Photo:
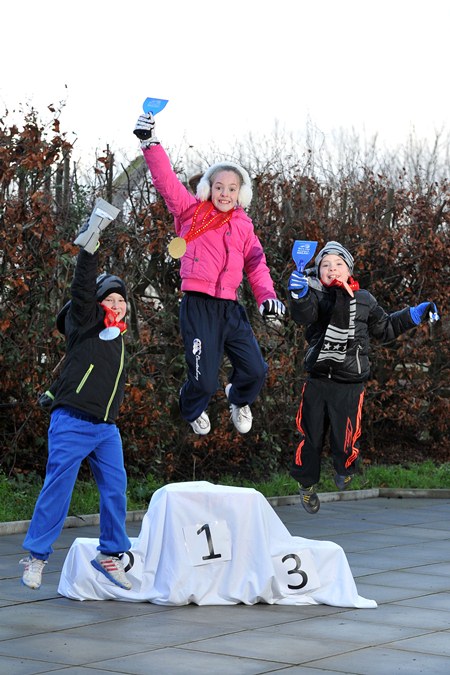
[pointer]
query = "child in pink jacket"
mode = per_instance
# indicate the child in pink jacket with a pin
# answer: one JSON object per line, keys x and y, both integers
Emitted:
{"x": 217, "y": 244}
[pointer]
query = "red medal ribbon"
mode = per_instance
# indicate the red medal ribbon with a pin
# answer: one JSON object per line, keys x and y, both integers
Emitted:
{"x": 206, "y": 223}
{"x": 351, "y": 283}
{"x": 111, "y": 319}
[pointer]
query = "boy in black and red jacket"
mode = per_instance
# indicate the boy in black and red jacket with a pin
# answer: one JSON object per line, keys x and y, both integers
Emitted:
{"x": 340, "y": 320}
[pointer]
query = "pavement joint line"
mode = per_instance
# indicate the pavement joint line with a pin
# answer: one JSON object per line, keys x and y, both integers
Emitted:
{"x": 19, "y": 526}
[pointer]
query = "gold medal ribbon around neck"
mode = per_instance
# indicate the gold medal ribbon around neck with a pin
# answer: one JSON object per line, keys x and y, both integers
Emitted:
{"x": 178, "y": 245}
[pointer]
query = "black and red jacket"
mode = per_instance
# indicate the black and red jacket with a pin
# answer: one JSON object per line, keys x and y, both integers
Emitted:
{"x": 314, "y": 311}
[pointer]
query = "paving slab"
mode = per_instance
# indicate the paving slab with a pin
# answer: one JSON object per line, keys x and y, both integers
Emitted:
{"x": 399, "y": 553}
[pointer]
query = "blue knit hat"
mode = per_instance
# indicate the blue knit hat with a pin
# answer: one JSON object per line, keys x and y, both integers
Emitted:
{"x": 334, "y": 248}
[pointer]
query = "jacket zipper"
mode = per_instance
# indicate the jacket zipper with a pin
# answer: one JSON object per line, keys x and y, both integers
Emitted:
{"x": 358, "y": 362}
{"x": 85, "y": 377}
{"x": 116, "y": 384}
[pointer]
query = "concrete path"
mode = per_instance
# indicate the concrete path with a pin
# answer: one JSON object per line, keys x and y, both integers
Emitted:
{"x": 399, "y": 553}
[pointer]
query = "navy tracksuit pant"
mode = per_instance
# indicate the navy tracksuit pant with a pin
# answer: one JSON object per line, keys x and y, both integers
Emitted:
{"x": 326, "y": 403}
{"x": 211, "y": 327}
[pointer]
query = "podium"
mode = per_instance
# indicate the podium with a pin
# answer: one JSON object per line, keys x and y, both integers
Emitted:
{"x": 216, "y": 545}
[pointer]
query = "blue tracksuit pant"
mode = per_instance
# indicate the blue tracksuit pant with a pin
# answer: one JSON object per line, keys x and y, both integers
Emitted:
{"x": 211, "y": 327}
{"x": 70, "y": 440}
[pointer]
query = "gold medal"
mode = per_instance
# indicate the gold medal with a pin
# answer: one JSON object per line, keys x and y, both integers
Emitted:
{"x": 177, "y": 247}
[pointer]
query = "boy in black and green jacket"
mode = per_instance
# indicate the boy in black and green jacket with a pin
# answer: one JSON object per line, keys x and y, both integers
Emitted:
{"x": 85, "y": 403}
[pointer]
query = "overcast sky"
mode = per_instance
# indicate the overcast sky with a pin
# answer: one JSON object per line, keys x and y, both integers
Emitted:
{"x": 229, "y": 68}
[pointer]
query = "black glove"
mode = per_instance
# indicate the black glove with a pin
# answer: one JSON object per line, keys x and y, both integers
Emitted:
{"x": 145, "y": 130}
{"x": 272, "y": 307}
{"x": 45, "y": 400}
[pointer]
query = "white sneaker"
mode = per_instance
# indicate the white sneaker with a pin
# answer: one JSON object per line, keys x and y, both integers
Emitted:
{"x": 112, "y": 567}
{"x": 32, "y": 575}
{"x": 201, "y": 425}
{"x": 242, "y": 417}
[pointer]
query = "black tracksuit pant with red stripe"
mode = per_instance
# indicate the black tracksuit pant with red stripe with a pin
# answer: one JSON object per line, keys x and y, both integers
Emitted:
{"x": 337, "y": 405}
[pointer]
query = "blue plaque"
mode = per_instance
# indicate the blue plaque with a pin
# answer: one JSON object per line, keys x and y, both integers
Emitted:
{"x": 302, "y": 252}
{"x": 154, "y": 105}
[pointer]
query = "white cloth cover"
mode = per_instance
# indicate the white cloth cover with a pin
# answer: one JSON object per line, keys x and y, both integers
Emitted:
{"x": 216, "y": 545}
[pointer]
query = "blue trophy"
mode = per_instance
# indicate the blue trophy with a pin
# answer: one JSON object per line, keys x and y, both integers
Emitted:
{"x": 153, "y": 106}
{"x": 302, "y": 252}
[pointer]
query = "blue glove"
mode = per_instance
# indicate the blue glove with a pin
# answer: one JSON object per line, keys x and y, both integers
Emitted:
{"x": 298, "y": 284}
{"x": 419, "y": 312}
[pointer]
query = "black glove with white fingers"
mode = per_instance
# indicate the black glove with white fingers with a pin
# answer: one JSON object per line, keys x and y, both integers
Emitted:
{"x": 145, "y": 130}
{"x": 272, "y": 308}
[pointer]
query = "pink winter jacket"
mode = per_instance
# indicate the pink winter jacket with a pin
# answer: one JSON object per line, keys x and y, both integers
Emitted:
{"x": 214, "y": 262}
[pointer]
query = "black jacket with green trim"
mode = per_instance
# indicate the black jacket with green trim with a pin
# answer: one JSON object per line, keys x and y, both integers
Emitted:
{"x": 92, "y": 379}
